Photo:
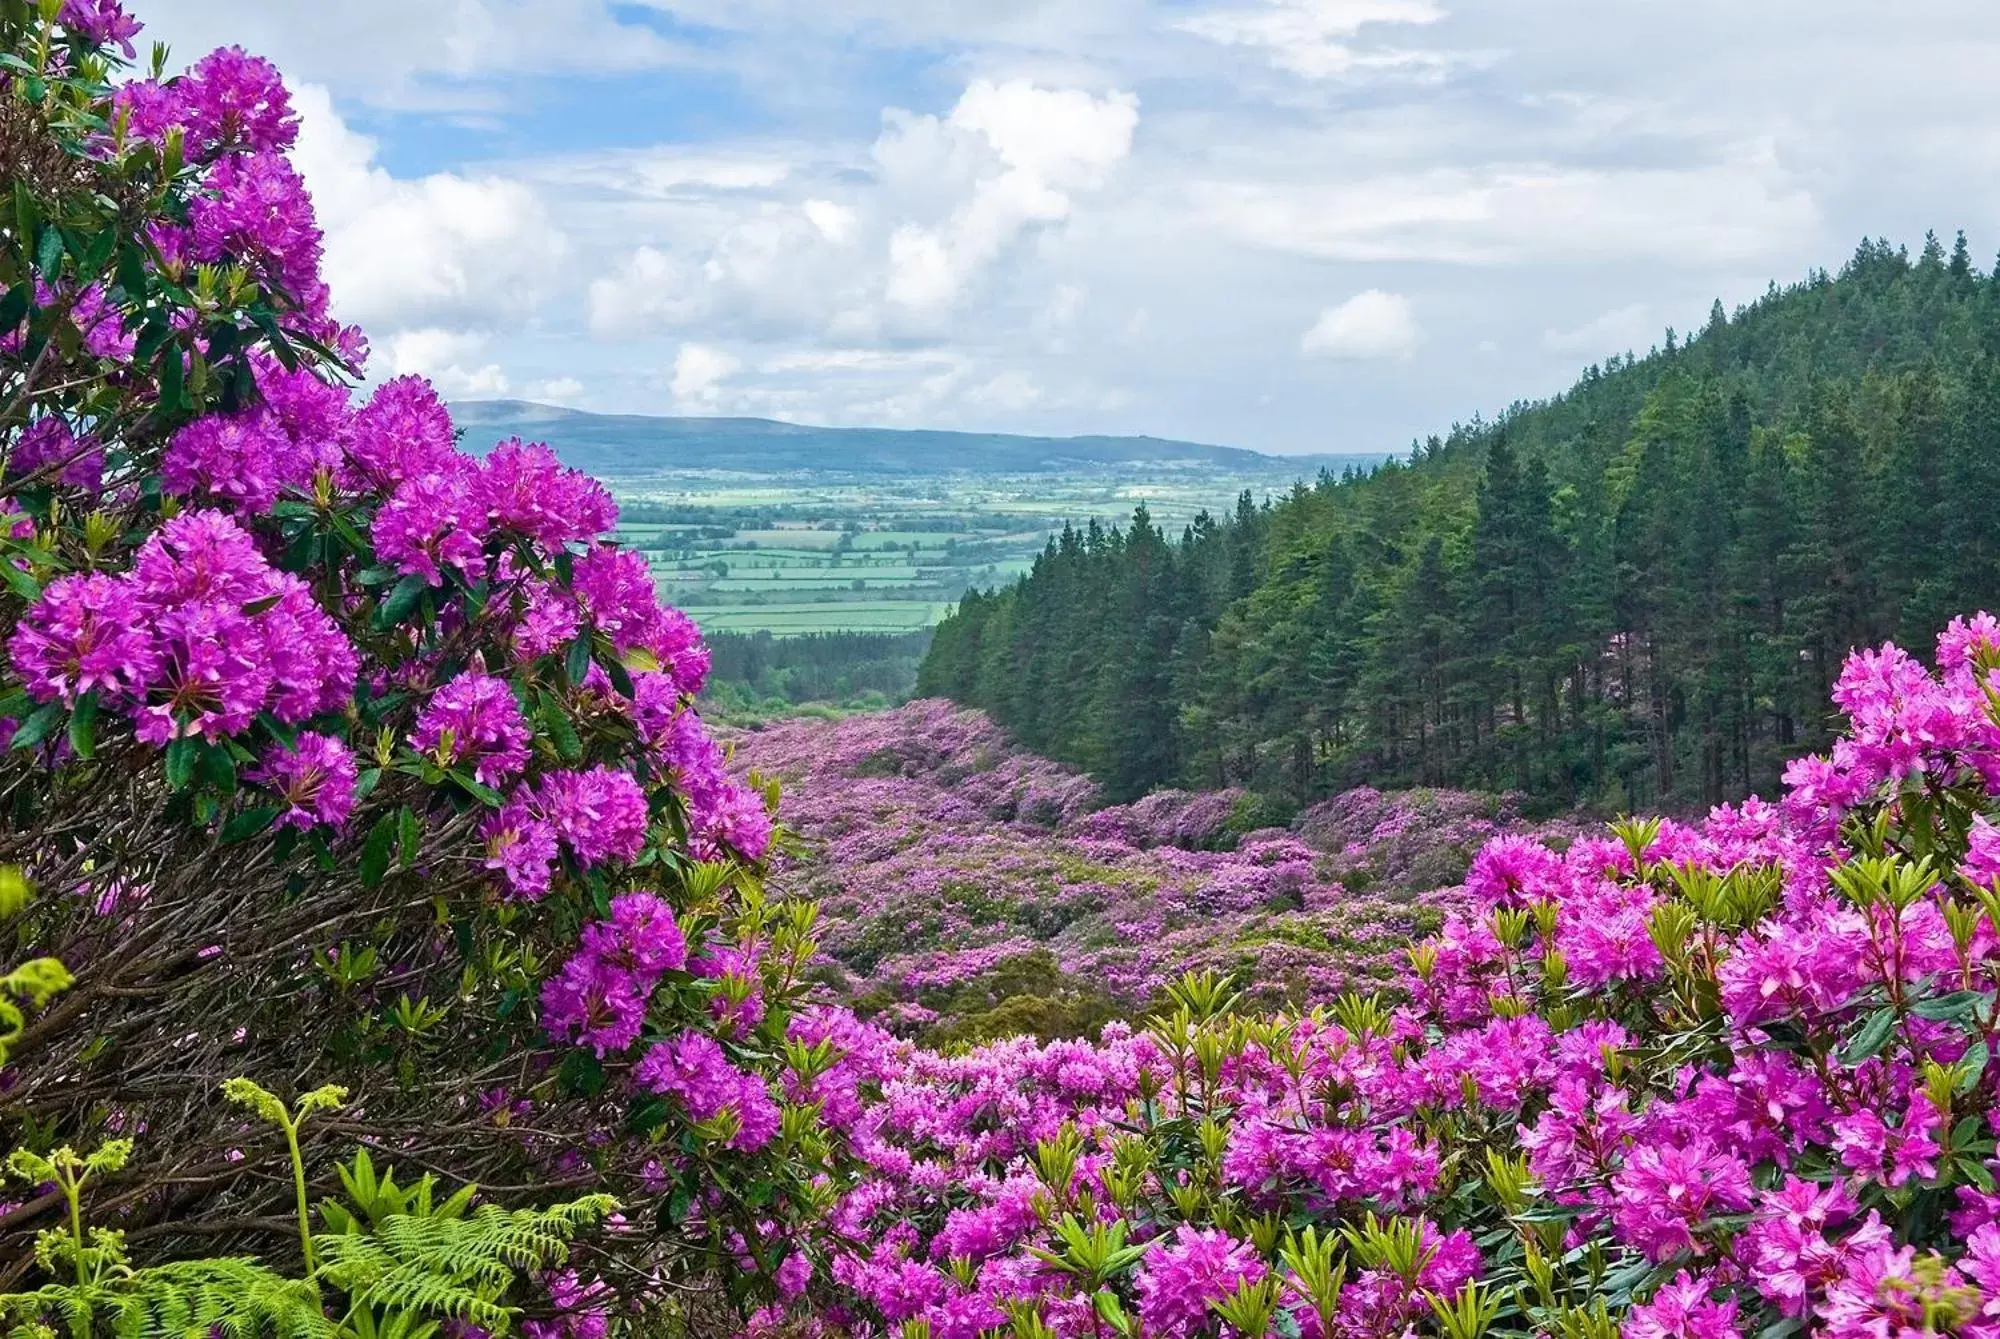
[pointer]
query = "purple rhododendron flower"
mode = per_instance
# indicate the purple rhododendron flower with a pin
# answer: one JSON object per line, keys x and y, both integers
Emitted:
{"x": 315, "y": 776}
{"x": 231, "y": 100}
{"x": 476, "y": 721}
{"x": 101, "y": 22}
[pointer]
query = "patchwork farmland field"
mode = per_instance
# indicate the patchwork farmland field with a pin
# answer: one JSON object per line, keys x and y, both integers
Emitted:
{"x": 804, "y": 554}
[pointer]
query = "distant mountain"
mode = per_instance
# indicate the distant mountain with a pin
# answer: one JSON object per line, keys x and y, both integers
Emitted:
{"x": 623, "y": 445}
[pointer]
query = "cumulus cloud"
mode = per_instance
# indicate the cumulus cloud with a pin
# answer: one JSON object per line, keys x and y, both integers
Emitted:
{"x": 453, "y": 359}
{"x": 442, "y": 251}
{"x": 1368, "y": 325}
{"x": 1024, "y": 151}
{"x": 459, "y": 363}
{"x": 945, "y": 200}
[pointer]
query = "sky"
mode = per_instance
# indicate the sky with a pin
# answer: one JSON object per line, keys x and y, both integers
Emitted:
{"x": 1292, "y": 225}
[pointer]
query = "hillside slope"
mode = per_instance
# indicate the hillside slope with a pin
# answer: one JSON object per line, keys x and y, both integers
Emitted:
{"x": 1637, "y": 593}
{"x": 972, "y": 889}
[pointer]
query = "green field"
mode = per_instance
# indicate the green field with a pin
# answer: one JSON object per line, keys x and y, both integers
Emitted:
{"x": 843, "y": 554}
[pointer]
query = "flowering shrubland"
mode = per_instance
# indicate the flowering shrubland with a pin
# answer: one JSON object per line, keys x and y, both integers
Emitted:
{"x": 333, "y": 753}
{"x": 1721, "y": 1079}
{"x": 962, "y": 878}
{"x": 343, "y": 761}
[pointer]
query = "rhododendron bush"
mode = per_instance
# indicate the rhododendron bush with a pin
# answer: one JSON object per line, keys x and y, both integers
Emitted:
{"x": 1720, "y": 1079}
{"x": 334, "y": 753}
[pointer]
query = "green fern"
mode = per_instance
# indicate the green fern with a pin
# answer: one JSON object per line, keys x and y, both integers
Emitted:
{"x": 193, "y": 1298}
{"x": 372, "y": 1198}
{"x": 405, "y": 1263}
{"x": 452, "y": 1268}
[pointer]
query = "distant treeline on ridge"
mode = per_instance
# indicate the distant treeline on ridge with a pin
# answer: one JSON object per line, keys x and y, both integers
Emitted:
{"x": 1637, "y": 593}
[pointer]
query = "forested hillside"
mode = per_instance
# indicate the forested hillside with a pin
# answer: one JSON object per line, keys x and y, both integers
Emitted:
{"x": 1637, "y": 593}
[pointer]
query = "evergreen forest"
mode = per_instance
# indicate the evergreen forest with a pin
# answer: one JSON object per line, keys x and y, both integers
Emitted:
{"x": 1638, "y": 593}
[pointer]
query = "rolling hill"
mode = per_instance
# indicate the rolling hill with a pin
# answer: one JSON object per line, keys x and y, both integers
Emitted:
{"x": 624, "y": 445}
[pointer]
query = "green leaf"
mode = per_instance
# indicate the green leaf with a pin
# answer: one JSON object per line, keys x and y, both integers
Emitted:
{"x": 556, "y": 724}
{"x": 249, "y": 823}
{"x": 409, "y": 836}
{"x": 621, "y": 679}
{"x": 1955, "y": 1005}
{"x": 132, "y": 272}
{"x": 21, "y": 583}
{"x": 400, "y": 601}
{"x": 182, "y": 755}
{"x": 83, "y": 727}
{"x": 38, "y": 727}
{"x": 1974, "y": 1065}
{"x": 14, "y": 307}
{"x": 27, "y": 214}
{"x": 375, "y": 851}
{"x": 218, "y": 768}
{"x": 173, "y": 376}
{"x": 1874, "y": 1035}
{"x": 98, "y": 254}
{"x": 479, "y": 790}
{"x": 577, "y": 664}
{"x": 582, "y": 1074}
{"x": 49, "y": 253}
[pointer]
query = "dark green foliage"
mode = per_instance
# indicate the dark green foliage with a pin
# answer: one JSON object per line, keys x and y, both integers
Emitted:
{"x": 1637, "y": 594}
{"x": 755, "y": 673}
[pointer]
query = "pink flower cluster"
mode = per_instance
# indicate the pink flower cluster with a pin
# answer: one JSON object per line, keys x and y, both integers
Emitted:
{"x": 597, "y": 816}
{"x": 599, "y": 997}
{"x": 694, "y": 1069}
{"x": 314, "y": 775}
{"x": 197, "y": 639}
{"x": 474, "y": 721}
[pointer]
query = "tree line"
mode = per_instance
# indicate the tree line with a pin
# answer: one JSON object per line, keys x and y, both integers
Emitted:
{"x": 1637, "y": 593}
{"x": 752, "y": 672}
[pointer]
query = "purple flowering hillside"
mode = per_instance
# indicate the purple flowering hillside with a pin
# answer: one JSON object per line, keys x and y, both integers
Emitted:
{"x": 393, "y": 955}
{"x": 945, "y": 860}
{"x": 1709, "y": 1080}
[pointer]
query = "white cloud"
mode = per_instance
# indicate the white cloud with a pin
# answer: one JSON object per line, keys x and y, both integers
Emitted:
{"x": 699, "y": 372}
{"x": 664, "y": 173}
{"x": 1046, "y": 144}
{"x": 1312, "y": 37}
{"x": 1747, "y": 207}
{"x": 945, "y": 200}
{"x": 441, "y": 250}
{"x": 1315, "y": 36}
{"x": 1368, "y": 325}
{"x": 396, "y": 53}
{"x": 453, "y": 359}
{"x": 836, "y": 222}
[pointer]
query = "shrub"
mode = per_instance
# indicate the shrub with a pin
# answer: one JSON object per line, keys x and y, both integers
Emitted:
{"x": 339, "y": 755}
